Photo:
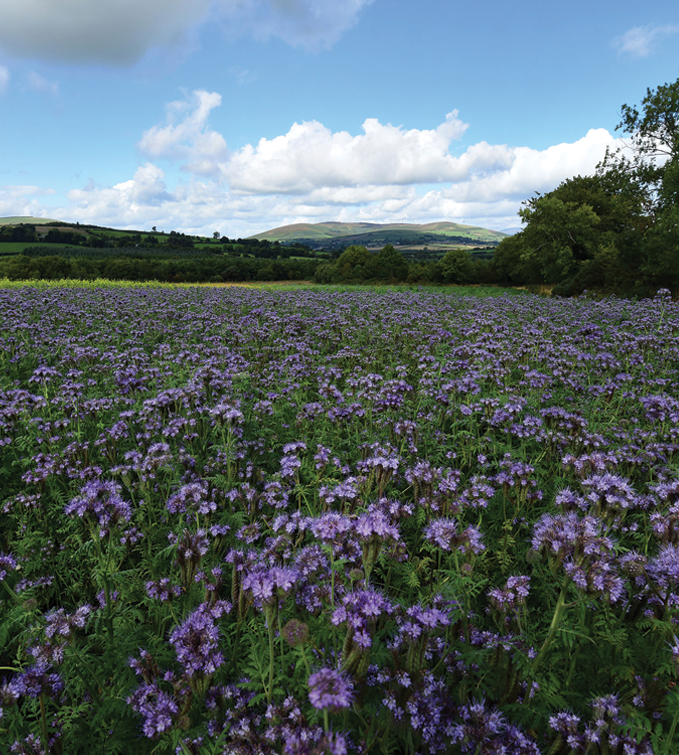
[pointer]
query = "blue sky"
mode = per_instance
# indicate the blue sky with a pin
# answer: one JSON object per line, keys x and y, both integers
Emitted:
{"x": 243, "y": 115}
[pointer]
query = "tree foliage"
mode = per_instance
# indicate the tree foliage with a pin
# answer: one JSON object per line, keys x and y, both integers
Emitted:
{"x": 617, "y": 230}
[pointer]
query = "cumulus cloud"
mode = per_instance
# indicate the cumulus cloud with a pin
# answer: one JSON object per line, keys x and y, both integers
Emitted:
{"x": 121, "y": 32}
{"x": 640, "y": 41}
{"x": 146, "y": 189}
{"x": 186, "y": 138}
{"x": 23, "y": 200}
{"x": 383, "y": 174}
{"x": 4, "y": 79}
{"x": 310, "y": 155}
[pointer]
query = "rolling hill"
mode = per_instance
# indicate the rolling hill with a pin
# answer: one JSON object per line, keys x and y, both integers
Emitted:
{"x": 18, "y": 219}
{"x": 406, "y": 235}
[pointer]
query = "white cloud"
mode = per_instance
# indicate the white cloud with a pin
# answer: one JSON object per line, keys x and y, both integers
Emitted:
{"x": 312, "y": 24}
{"x": 4, "y": 79}
{"x": 640, "y": 41}
{"x": 384, "y": 174}
{"x": 186, "y": 138}
{"x": 146, "y": 190}
{"x": 311, "y": 156}
{"x": 121, "y": 32}
{"x": 39, "y": 83}
{"x": 22, "y": 200}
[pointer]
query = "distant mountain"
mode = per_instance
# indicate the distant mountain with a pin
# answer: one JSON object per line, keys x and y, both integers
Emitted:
{"x": 512, "y": 231}
{"x": 334, "y": 234}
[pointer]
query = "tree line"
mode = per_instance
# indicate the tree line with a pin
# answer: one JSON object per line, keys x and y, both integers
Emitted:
{"x": 86, "y": 242}
{"x": 184, "y": 269}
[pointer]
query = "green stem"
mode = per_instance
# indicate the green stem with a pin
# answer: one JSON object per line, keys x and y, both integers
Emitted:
{"x": 673, "y": 728}
{"x": 465, "y": 614}
{"x": 554, "y": 626}
{"x": 109, "y": 611}
{"x": 571, "y": 670}
{"x": 306, "y": 662}
{"x": 269, "y": 623}
{"x": 104, "y": 566}
{"x": 282, "y": 641}
{"x": 236, "y": 642}
{"x": 332, "y": 576}
{"x": 13, "y": 595}
{"x": 43, "y": 721}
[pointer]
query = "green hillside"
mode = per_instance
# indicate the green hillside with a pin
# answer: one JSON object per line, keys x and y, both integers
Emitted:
{"x": 407, "y": 235}
{"x": 19, "y": 219}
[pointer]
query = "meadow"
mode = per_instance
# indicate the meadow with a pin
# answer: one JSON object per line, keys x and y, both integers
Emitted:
{"x": 321, "y": 520}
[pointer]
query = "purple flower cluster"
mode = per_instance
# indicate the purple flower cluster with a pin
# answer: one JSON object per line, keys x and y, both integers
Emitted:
{"x": 100, "y": 501}
{"x": 445, "y": 534}
{"x": 196, "y": 640}
{"x": 268, "y": 585}
{"x": 608, "y": 730}
{"x": 191, "y": 547}
{"x": 512, "y": 596}
{"x": 60, "y": 624}
{"x": 485, "y": 730}
{"x": 577, "y": 545}
{"x": 162, "y": 589}
{"x": 330, "y": 689}
{"x": 158, "y": 709}
{"x": 7, "y": 562}
{"x": 361, "y": 610}
{"x": 191, "y": 497}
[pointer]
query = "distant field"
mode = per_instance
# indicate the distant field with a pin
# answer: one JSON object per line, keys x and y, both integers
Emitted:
{"x": 478, "y": 291}
{"x": 17, "y": 247}
{"x": 17, "y": 219}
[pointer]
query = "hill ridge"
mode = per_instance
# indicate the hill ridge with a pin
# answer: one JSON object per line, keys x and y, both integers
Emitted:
{"x": 335, "y": 232}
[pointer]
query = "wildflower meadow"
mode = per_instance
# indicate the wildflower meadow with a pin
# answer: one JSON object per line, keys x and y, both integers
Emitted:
{"x": 240, "y": 521}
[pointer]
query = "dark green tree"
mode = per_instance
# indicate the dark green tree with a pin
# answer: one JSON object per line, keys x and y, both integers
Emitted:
{"x": 391, "y": 265}
{"x": 616, "y": 230}
{"x": 457, "y": 267}
{"x": 353, "y": 263}
{"x": 650, "y": 159}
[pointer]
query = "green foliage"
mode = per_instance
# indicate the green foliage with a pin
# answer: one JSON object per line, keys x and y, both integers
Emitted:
{"x": 391, "y": 264}
{"x": 180, "y": 269}
{"x": 457, "y": 267}
{"x": 614, "y": 231}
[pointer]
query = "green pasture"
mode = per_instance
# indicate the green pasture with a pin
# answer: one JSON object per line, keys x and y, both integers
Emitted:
{"x": 17, "y": 247}
{"x": 476, "y": 291}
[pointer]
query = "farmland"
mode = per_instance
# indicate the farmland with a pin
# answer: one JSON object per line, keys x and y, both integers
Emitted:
{"x": 337, "y": 520}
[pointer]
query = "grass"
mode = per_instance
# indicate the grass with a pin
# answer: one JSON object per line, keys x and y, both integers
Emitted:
{"x": 8, "y": 248}
{"x": 477, "y": 291}
{"x": 19, "y": 219}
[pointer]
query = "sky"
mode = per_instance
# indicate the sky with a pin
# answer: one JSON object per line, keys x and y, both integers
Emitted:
{"x": 239, "y": 116}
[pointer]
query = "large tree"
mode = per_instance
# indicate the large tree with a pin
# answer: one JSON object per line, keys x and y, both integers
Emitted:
{"x": 615, "y": 230}
{"x": 391, "y": 264}
{"x": 650, "y": 157}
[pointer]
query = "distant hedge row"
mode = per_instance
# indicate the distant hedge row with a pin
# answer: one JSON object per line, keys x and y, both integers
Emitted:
{"x": 175, "y": 270}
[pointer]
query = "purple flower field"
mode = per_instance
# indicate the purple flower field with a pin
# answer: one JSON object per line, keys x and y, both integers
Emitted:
{"x": 237, "y": 521}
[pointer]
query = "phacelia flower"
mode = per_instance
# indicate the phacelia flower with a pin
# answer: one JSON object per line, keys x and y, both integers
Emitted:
{"x": 330, "y": 689}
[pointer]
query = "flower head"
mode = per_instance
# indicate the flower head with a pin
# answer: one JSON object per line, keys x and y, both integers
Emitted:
{"x": 330, "y": 689}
